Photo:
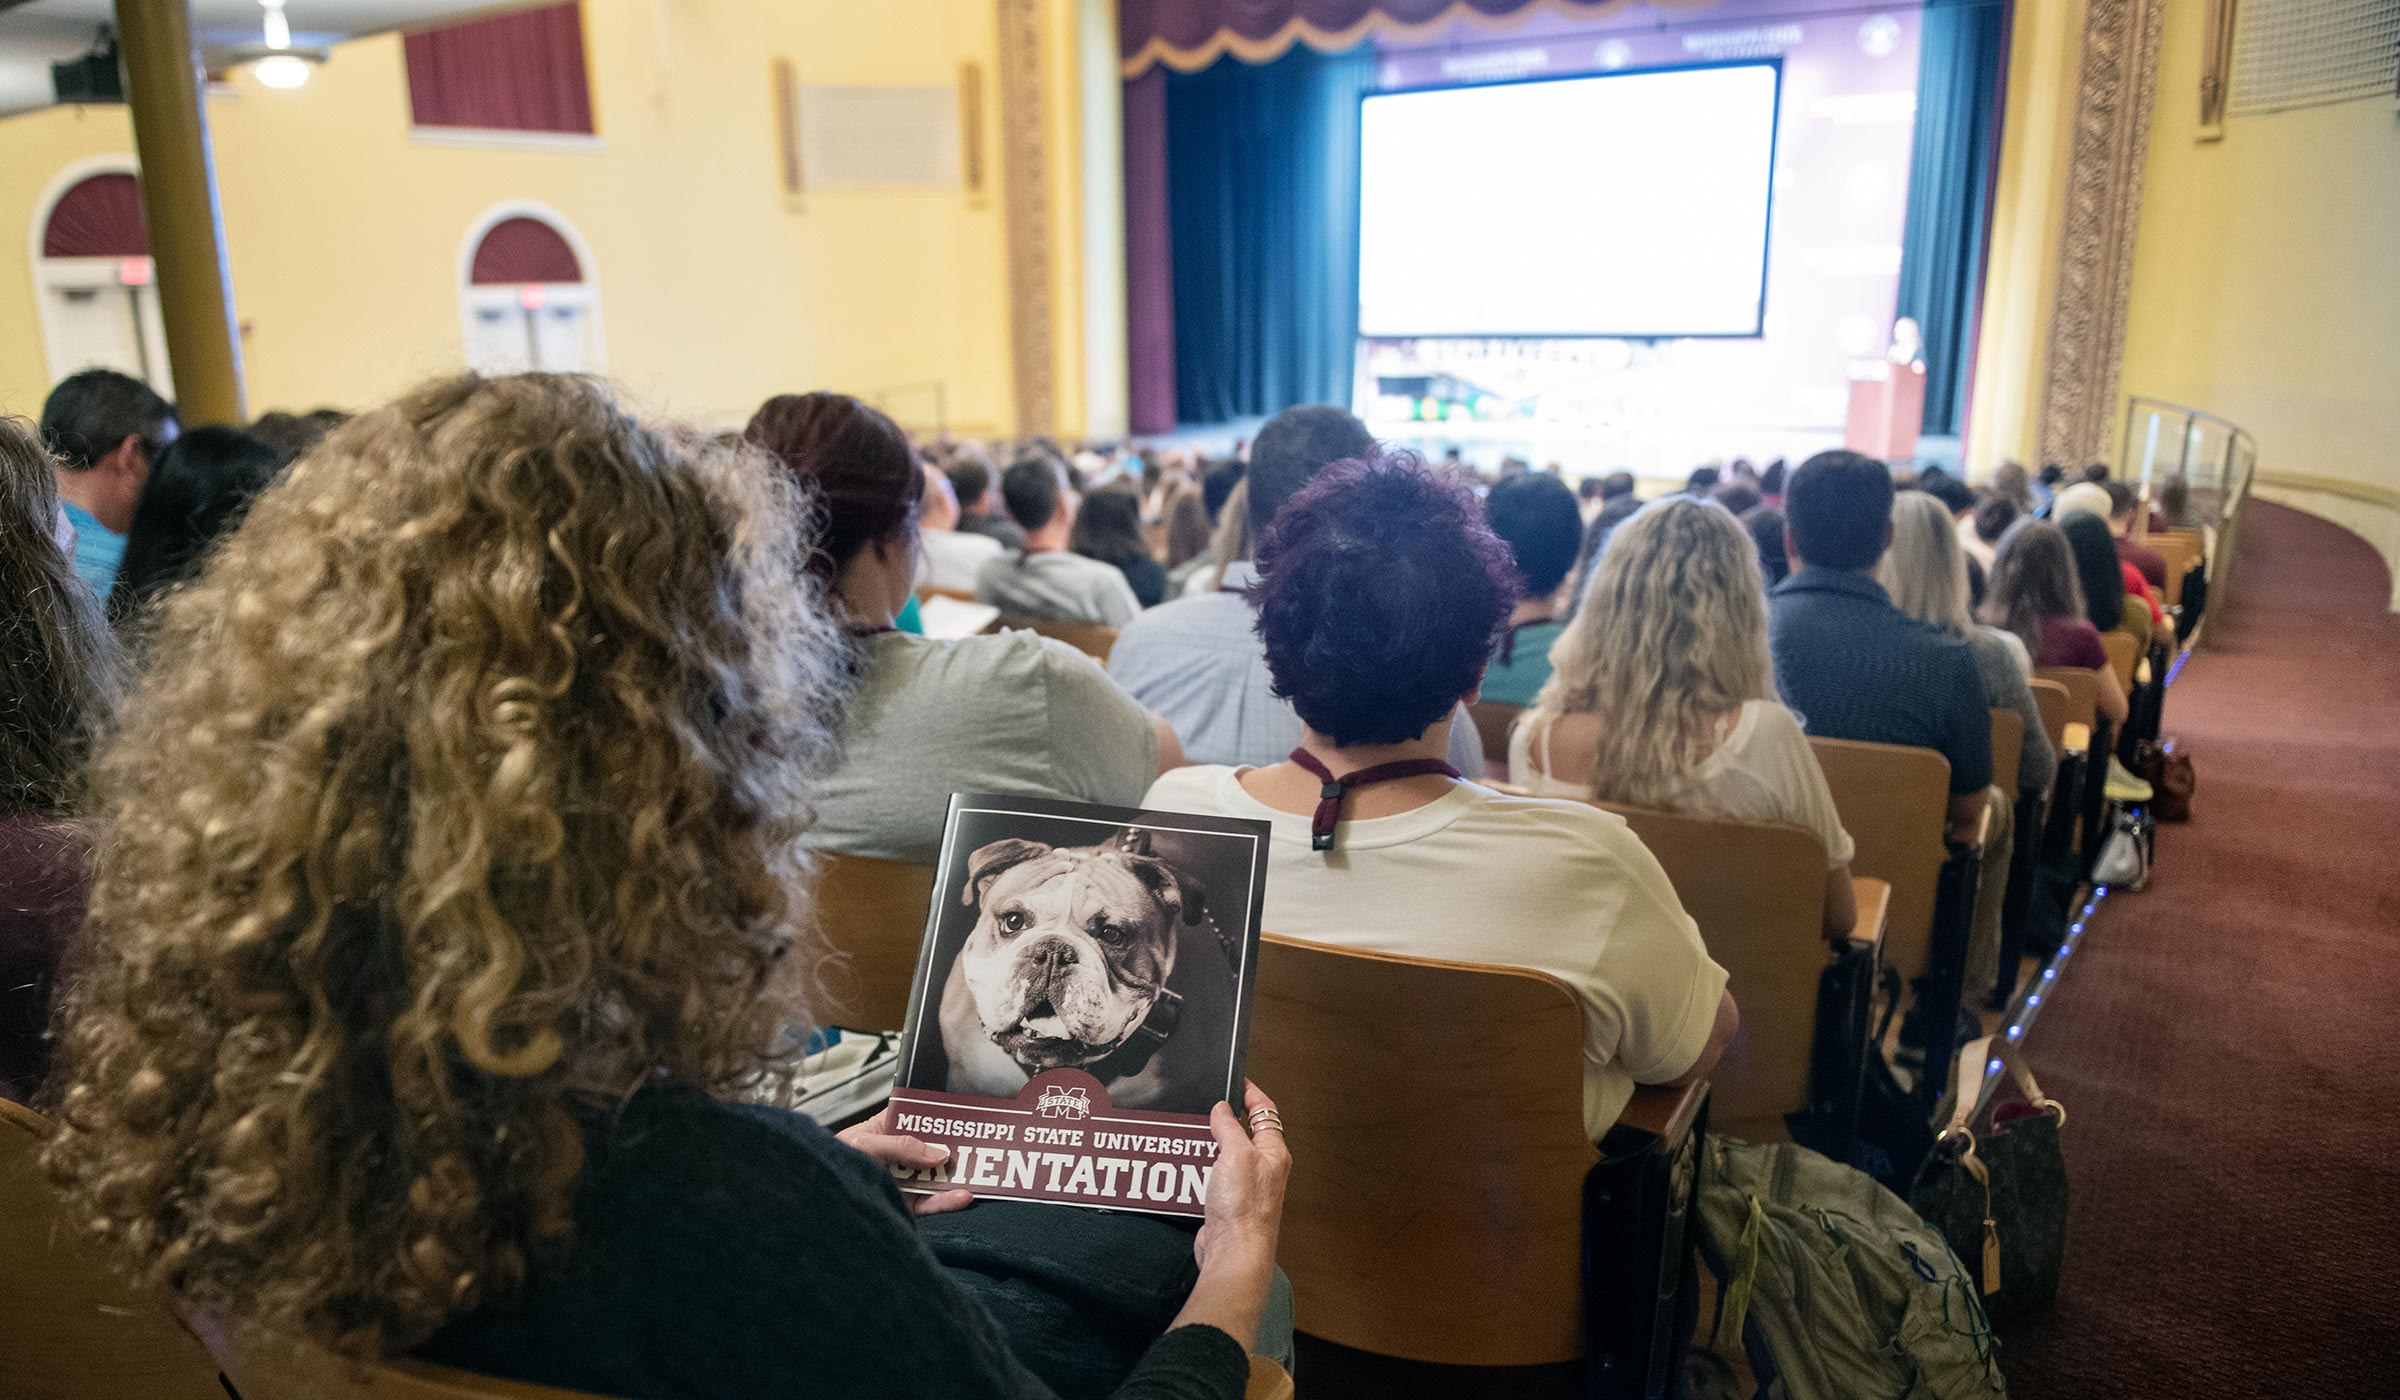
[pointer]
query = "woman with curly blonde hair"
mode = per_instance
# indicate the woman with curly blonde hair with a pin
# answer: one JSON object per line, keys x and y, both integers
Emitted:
{"x": 448, "y": 899}
{"x": 1662, "y": 694}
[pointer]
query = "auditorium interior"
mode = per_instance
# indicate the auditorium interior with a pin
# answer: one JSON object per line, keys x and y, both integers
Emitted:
{"x": 652, "y": 646}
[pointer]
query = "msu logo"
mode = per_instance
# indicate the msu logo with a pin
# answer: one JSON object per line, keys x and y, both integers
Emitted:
{"x": 1057, "y": 1102}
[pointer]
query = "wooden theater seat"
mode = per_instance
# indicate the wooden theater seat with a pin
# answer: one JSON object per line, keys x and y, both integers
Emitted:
{"x": 2082, "y": 689}
{"x": 2124, "y": 654}
{"x": 262, "y": 1366}
{"x": 2008, "y": 751}
{"x": 1437, "y": 1207}
{"x": 265, "y": 1367}
{"x": 1895, "y": 803}
{"x": 1757, "y": 891}
{"x": 2050, "y": 698}
{"x": 69, "y": 1329}
{"x": 871, "y": 916}
{"x": 1493, "y": 719}
{"x": 2181, "y": 557}
{"x": 1090, "y": 638}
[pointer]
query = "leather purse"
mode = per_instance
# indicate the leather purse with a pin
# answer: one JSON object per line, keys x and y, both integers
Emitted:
{"x": 2168, "y": 771}
{"x": 2000, "y": 1196}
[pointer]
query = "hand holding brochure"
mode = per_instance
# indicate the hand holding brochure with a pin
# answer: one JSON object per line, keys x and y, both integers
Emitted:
{"x": 1082, "y": 1000}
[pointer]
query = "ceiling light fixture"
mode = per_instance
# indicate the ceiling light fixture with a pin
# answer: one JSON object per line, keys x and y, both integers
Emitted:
{"x": 277, "y": 64}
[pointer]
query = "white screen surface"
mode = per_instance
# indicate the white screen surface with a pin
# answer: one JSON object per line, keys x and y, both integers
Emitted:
{"x": 1630, "y": 205}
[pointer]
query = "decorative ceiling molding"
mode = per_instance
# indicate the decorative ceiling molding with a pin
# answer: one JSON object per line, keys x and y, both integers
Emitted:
{"x": 2103, "y": 213}
{"x": 1027, "y": 209}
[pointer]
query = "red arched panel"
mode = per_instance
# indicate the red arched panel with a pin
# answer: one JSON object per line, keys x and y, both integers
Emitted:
{"x": 98, "y": 217}
{"x": 523, "y": 250}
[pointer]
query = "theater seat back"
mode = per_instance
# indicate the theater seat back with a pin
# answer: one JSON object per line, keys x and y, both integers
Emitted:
{"x": 871, "y": 920}
{"x": 2008, "y": 751}
{"x": 1895, "y": 803}
{"x": 1757, "y": 891}
{"x": 1090, "y": 638}
{"x": 2050, "y": 698}
{"x": 265, "y": 1367}
{"x": 1435, "y": 1112}
{"x": 2082, "y": 689}
{"x": 1493, "y": 719}
{"x": 2124, "y": 654}
{"x": 69, "y": 1329}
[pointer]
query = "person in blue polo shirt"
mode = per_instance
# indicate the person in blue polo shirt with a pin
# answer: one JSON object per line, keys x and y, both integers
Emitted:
{"x": 1854, "y": 666}
{"x": 103, "y": 430}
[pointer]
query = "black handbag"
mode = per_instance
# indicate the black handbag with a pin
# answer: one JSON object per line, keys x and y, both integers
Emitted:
{"x": 2000, "y": 1196}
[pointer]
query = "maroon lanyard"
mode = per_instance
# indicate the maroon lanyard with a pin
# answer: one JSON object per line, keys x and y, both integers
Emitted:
{"x": 1329, "y": 801}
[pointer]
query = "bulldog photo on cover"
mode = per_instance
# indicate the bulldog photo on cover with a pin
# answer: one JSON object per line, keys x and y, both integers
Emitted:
{"x": 1111, "y": 947}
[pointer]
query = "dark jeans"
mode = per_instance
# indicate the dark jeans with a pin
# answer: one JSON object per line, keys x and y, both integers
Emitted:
{"x": 1081, "y": 1294}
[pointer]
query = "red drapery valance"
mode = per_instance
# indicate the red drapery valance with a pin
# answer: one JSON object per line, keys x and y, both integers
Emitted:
{"x": 1188, "y": 35}
{"x": 523, "y": 250}
{"x": 98, "y": 217}
{"x": 520, "y": 71}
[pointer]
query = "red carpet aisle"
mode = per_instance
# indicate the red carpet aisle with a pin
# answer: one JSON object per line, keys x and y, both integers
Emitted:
{"x": 2228, "y": 1043}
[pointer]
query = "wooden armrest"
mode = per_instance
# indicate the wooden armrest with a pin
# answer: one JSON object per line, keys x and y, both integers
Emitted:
{"x": 1874, "y": 909}
{"x": 1664, "y": 1113}
{"x": 2078, "y": 739}
{"x": 2141, "y": 671}
{"x": 1268, "y": 1381}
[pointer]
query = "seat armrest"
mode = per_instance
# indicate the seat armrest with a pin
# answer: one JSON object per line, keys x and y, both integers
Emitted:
{"x": 1664, "y": 1113}
{"x": 2078, "y": 739}
{"x": 1268, "y": 1381}
{"x": 1874, "y": 898}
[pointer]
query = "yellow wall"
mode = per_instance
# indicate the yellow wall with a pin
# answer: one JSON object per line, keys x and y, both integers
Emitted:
{"x": 2267, "y": 276}
{"x": 344, "y": 230}
{"x": 2028, "y": 204}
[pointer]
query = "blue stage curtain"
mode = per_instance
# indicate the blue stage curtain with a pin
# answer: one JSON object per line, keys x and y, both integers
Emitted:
{"x": 1961, "y": 78}
{"x": 1262, "y": 189}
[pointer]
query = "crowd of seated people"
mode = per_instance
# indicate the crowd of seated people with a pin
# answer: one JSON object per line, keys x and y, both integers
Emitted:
{"x": 457, "y": 825}
{"x": 1424, "y": 862}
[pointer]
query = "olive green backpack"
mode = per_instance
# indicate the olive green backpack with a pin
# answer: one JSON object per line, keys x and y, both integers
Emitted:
{"x": 1832, "y": 1286}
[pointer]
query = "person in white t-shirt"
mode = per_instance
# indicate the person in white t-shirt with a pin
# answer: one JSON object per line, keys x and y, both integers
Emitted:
{"x": 952, "y": 557}
{"x": 1381, "y": 593}
{"x": 1662, "y": 693}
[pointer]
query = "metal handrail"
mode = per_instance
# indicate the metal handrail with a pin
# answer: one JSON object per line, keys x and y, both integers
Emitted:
{"x": 2189, "y": 412}
{"x": 2235, "y": 466}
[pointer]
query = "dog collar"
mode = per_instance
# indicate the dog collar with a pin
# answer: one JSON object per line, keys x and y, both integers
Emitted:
{"x": 1329, "y": 799}
{"x": 1129, "y": 1058}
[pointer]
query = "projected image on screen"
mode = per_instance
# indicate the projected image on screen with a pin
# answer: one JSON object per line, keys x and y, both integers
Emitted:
{"x": 1631, "y": 205}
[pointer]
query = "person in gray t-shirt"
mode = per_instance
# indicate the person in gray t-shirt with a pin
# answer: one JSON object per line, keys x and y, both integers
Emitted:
{"x": 1013, "y": 713}
{"x": 1047, "y": 580}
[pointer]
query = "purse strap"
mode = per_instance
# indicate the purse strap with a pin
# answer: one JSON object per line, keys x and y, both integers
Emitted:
{"x": 1966, "y": 1090}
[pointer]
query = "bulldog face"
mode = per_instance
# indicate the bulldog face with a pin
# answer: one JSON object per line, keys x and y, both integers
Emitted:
{"x": 1071, "y": 946}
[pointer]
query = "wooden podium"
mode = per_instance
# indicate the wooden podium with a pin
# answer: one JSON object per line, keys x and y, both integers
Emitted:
{"x": 1887, "y": 409}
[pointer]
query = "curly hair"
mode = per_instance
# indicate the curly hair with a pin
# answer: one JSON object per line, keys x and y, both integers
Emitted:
{"x": 1671, "y": 638}
{"x": 58, "y": 660}
{"x": 1381, "y": 594}
{"x": 463, "y": 797}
